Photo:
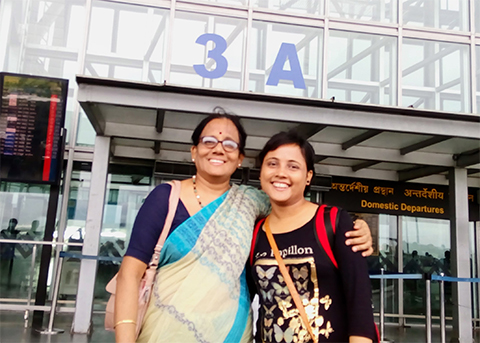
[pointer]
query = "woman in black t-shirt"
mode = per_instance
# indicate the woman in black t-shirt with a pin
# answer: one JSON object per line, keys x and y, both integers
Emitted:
{"x": 337, "y": 300}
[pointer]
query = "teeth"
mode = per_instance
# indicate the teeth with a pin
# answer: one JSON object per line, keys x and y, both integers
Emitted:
{"x": 216, "y": 161}
{"x": 280, "y": 185}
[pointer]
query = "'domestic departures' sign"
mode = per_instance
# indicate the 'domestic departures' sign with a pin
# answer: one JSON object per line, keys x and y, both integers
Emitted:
{"x": 408, "y": 199}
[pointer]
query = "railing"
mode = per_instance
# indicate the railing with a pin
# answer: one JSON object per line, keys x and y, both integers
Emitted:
{"x": 58, "y": 263}
{"x": 29, "y": 307}
{"x": 428, "y": 313}
{"x": 60, "y": 255}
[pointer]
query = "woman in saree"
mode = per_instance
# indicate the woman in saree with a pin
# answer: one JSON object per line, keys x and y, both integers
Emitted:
{"x": 200, "y": 293}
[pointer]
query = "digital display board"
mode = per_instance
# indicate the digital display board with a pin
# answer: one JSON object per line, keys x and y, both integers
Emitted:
{"x": 32, "y": 115}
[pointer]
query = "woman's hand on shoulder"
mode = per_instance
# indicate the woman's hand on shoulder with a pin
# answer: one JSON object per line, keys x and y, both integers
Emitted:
{"x": 360, "y": 238}
{"x": 359, "y": 339}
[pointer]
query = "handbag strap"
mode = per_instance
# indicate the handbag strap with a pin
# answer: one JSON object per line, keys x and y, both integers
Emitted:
{"x": 288, "y": 280}
{"x": 172, "y": 208}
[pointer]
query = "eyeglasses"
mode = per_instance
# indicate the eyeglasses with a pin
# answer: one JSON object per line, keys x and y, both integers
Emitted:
{"x": 211, "y": 142}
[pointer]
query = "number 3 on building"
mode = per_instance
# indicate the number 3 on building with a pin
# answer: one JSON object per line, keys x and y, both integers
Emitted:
{"x": 215, "y": 54}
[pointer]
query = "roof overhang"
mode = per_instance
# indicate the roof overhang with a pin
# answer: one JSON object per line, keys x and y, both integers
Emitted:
{"x": 151, "y": 121}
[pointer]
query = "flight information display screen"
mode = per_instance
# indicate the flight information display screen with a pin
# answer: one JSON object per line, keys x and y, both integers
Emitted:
{"x": 32, "y": 115}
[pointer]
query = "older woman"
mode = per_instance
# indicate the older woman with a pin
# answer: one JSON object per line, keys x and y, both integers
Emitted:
{"x": 200, "y": 294}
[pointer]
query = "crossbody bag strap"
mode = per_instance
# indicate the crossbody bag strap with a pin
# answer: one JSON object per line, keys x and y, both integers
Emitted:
{"x": 288, "y": 280}
{"x": 172, "y": 208}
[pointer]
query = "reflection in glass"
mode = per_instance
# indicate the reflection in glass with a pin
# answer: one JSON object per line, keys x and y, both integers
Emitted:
{"x": 436, "y": 75}
{"x": 426, "y": 249}
{"x": 126, "y": 42}
{"x": 445, "y": 14}
{"x": 266, "y": 42}
{"x": 22, "y": 217}
{"x": 370, "y": 10}
{"x": 385, "y": 243}
{"x": 362, "y": 68}
{"x": 314, "y": 7}
{"x": 85, "y": 132}
{"x": 125, "y": 196}
{"x": 186, "y": 52}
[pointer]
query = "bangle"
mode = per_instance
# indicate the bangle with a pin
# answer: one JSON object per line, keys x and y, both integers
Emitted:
{"x": 125, "y": 321}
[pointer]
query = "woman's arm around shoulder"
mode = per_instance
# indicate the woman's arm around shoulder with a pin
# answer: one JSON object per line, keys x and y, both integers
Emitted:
{"x": 260, "y": 199}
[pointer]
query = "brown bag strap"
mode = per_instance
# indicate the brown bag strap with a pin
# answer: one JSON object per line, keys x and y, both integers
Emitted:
{"x": 172, "y": 208}
{"x": 288, "y": 280}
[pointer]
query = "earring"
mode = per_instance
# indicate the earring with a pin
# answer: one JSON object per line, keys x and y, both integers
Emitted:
{"x": 193, "y": 160}
{"x": 239, "y": 165}
{"x": 308, "y": 182}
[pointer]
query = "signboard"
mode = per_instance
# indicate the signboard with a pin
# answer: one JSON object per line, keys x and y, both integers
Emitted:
{"x": 32, "y": 114}
{"x": 396, "y": 198}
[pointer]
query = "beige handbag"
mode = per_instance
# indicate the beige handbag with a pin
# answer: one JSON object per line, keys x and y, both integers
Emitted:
{"x": 146, "y": 284}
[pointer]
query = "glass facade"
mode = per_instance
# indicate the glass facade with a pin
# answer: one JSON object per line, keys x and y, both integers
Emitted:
{"x": 401, "y": 53}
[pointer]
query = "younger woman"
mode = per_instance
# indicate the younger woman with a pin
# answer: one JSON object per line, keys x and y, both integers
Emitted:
{"x": 337, "y": 301}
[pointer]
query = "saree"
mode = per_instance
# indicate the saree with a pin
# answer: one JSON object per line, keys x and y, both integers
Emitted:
{"x": 200, "y": 293}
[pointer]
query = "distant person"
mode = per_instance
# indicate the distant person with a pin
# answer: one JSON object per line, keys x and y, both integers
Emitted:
{"x": 446, "y": 264}
{"x": 7, "y": 250}
{"x": 413, "y": 266}
{"x": 33, "y": 233}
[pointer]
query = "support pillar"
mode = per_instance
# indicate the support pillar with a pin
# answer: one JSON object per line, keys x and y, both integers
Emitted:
{"x": 91, "y": 243}
{"x": 460, "y": 242}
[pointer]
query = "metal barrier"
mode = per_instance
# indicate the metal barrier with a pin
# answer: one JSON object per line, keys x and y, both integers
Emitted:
{"x": 29, "y": 307}
{"x": 428, "y": 315}
{"x": 50, "y": 330}
{"x": 441, "y": 278}
{"x": 382, "y": 277}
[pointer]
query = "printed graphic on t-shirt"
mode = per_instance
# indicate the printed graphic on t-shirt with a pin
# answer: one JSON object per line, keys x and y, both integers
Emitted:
{"x": 281, "y": 319}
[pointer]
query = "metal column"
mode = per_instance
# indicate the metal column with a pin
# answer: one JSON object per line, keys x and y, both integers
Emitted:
{"x": 462, "y": 312}
{"x": 88, "y": 268}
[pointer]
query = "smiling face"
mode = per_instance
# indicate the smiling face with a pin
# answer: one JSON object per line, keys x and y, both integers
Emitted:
{"x": 216, "y": 162}
{"x": 284, "y": 175}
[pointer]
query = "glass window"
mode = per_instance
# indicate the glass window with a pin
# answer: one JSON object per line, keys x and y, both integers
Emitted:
{"x": 436, "y": 75}
{"x": 445, "y": 14}
{"x": 362, "y": 68}
{"x": 477, "y": 16}
{"x": 369, "y": 10}
{"x": 125, "y": 195}
{"x": 286, "y": 59}
{"x": 23, "y": 211}
{"x": 302, "y": 6}
{"x": 385, "y": 255}
{"x": 85, "y": 132}
{"x": 426, "y": 249}
{"x": 45, "y": 39}
{"x": 227, "y": 2}
{"x": 477, "y": 57}
{"x": 126, "y": 42}
{"x": 210, "y": 53}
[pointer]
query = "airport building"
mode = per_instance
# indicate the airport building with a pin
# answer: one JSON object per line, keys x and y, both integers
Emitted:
{"x": 387, "y": 92}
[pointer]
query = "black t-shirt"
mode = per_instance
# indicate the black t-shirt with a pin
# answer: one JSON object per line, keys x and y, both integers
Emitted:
{"x": 338, "y": 301}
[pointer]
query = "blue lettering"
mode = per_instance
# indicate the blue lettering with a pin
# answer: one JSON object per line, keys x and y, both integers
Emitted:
{"x": 215, "y": 54}
{"x": 287, "y": 50}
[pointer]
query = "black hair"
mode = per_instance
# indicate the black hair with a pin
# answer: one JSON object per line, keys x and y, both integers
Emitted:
{"x": 219, "y": 113}
{"x": 291, "y": 137}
